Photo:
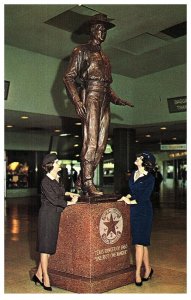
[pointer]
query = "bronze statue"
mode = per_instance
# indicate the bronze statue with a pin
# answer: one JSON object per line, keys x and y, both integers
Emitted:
{"x": 87, "y": 79}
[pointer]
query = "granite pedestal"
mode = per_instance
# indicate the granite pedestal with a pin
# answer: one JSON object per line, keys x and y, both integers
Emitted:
{"x": 93, "y": 249}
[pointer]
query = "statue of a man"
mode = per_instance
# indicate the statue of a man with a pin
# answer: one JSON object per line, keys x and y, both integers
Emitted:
{"x": 90, "y": 69}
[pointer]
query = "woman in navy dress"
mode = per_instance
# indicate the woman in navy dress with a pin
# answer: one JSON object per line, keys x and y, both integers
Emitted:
{"x": 141, "y": 184}
{"x": 53, "y": 202}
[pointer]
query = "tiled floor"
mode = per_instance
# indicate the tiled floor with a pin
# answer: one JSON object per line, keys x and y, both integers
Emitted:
{"x": 168, "y": 249}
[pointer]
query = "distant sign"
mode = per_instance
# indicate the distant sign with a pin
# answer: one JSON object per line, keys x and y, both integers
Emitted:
{"x": 173, "y": 147}
{"x": 177, "y": 104}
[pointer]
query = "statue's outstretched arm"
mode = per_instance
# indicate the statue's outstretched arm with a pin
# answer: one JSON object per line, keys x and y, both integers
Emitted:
{"x": 118, "y": 101}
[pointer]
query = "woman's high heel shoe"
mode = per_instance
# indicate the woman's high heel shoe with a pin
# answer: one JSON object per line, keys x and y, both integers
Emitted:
{"x": 138, "y": 283}
{"x": 149, "y": 277}
{"x": 47, "y": 288}
{"x": 36, "y": 280}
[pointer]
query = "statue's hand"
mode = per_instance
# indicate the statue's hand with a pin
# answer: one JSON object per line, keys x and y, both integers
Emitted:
{"x": 125, "y": 102}
{"x": 81, "y": 110}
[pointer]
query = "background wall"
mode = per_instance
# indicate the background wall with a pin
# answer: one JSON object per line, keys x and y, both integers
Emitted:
{"x": 34, "y": 83}
{"x": 36, "y": 86}
{"x": 151, "y": 92}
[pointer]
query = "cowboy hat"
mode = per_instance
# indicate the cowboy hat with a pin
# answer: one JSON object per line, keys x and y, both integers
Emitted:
{"x": 101, "y": 19}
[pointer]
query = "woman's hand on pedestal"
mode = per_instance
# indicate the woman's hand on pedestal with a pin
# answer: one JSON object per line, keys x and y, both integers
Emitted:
{"x": 73, "y": 196}
{"x": 127, "y": 200}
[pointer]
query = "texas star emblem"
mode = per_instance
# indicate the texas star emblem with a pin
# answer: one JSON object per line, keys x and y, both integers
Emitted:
{"x": 111, "y": 225}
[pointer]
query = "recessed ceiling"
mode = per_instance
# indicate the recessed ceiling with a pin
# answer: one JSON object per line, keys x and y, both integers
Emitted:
{"x": 142, "y": 43}
{"x": 72, "y": 19}
{"x": 140, "y": 34}
{"x": 176, "y": 31}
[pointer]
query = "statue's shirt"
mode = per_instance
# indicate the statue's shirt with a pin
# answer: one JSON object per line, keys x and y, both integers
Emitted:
{"x": 88, "y": 67}
{"x": 89, "y": 63}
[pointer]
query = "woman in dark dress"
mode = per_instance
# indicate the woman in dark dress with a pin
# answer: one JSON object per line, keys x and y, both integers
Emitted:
{"x": 141, "y": 184}
{"x": 52, "y": 204}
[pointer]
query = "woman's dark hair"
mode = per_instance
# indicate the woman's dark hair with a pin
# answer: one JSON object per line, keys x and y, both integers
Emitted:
{"x": 48, "y": 167}
{"x": 147, "y": 163}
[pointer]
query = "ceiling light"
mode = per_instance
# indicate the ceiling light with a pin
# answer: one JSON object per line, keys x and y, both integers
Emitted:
{"x": 76, "y": 136}
{"x": 77, "y": 155}
{"x": 136, "y": 141}
{"x": 9, "y": 126}
{"x": 163, "y": 128}
{"x": 76, "y": 145}
{"x": 65, "y": 134}
{"x": 24, "y": 117}
{"x": 147, "y": 135}
{"x": 78, "y": 123}
{"x": 174, "y": 138}
{"x": 57, "y": 130}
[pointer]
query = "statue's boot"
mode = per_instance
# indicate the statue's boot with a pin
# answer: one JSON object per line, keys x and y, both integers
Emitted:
{"x": 78, "y": 182}
{"x": 91, "y": 190}
{"x": 88, "y": 187}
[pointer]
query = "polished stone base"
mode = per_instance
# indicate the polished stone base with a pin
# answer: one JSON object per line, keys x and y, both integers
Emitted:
{"x": 99, "y": 284}
{"x": 93, "y": 249}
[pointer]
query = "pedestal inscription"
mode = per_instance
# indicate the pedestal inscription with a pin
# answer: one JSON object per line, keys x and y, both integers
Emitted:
{"x": 93, "y": 248}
